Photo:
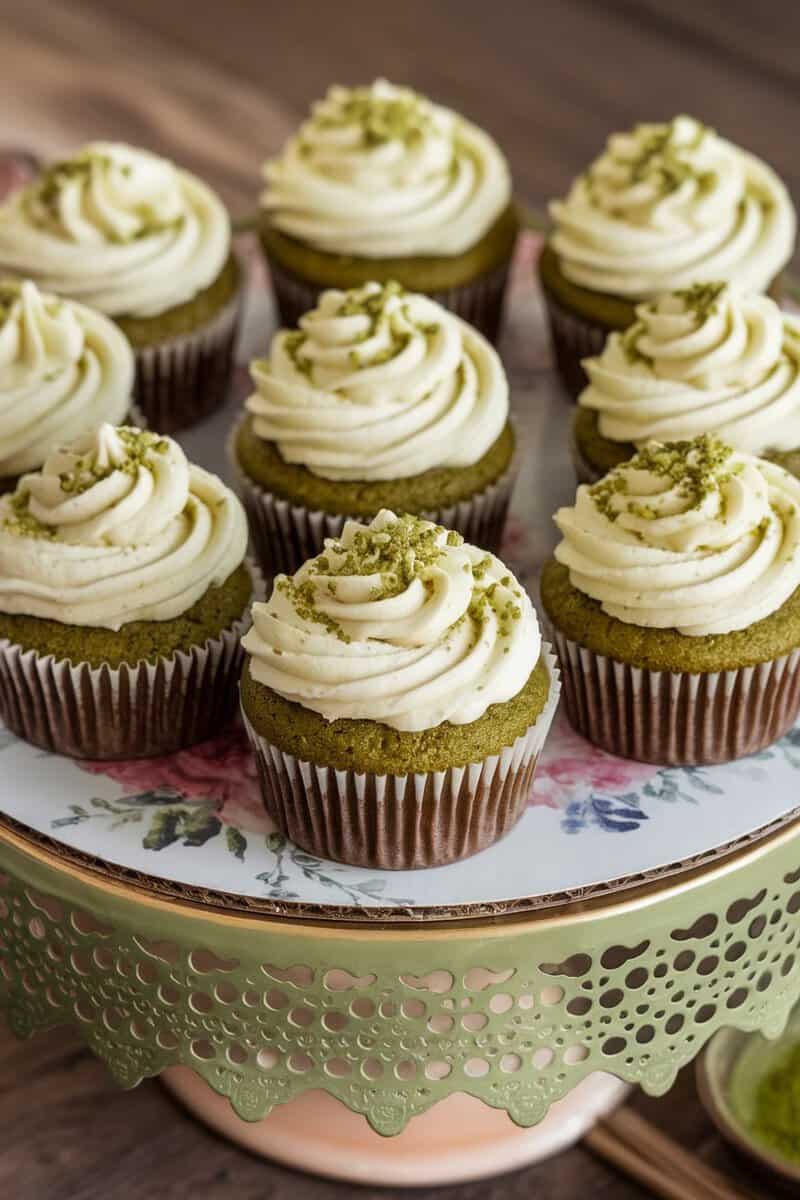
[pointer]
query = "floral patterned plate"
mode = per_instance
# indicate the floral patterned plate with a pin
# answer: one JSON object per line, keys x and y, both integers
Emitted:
{"x": 195, "y": 821}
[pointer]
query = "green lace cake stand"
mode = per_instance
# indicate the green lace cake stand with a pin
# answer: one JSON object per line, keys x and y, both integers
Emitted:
{"x": 451, "y": 1039}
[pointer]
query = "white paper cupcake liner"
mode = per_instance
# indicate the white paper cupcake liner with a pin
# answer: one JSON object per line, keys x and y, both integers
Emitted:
{"x": 399, "y": 822}
{"x": 130, "y": 711}
{"x": 480, "y": 301}
{"x": 284, "y": 535}
{"x": 183, "y": 379}
{"x": 676, "y": 719}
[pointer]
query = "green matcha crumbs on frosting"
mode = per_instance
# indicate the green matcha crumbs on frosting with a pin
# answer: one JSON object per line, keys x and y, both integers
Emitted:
{"x": 139, "y": 445}
{"x": 702, "y": 299}
{"x": 373, "y": 304}
{"x": 293, "y": 344}
{"x": 405, "y": 118}
{"x": 21, "y": 520}
{"x": 660, "y": 161}
{"x": 697, "y": 468}
{"x": 45, "y": 194}
{"x": 399, "y": 553}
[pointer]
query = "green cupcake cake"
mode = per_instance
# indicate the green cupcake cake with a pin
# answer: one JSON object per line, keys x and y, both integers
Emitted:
{"x": 707, "y": 359}
{"x": 397, "y": 695}
{"x": 380, "y": 183}
{"x": 123, "y": 596}
{"x": 149, "y": 245}
{"x": 674, "y": 598}
{"x": 64, "y": 369}
{"x": 381, "y": 398}
{"x": 664, "y": 207}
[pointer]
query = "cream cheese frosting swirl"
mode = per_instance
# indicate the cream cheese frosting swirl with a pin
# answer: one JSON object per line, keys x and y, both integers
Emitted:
{"x": 705, "y": 360}
{"x": 381, "y": 172}
{"x": 379, "y": 384}
{"x": 669, "y": 205}
{"x": 693, "y": 536}
{"x": 64, "y": 369}
{"x": 117, "y": 527}
{"x": 117, "y": 228}
{"x": 399, "y": 622}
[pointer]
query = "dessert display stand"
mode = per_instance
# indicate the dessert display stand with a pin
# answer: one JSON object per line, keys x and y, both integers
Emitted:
{"x": 404, "y": 1027}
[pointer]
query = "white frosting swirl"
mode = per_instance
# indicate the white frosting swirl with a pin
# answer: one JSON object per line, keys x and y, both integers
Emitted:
{"x": 118, "y": 527}
{"x": 666, "y": 206}
{"x": 120, "y": 229}
{"x": 707, "y": 360}
{"x": 64, "y": 369}
{"x": 692, "y": 536}
{"x": 379, "y": 384}
{"x": 381, "y": 172}
{"x": 399, "y": 622}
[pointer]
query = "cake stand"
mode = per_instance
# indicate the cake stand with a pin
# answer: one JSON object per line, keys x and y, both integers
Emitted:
{"x": 403, "y": 1027}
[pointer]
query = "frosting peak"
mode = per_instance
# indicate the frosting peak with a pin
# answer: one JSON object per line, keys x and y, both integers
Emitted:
{"x": 399, "y": 622}
{"x": 116, "y": 527}
{"x": 704, "y": 359}
{"x": 382, "y": 172}
{"x": 668, "y": 205}
{"x": 688, "y": 535}
{"x": 63, "y": 369}
{"x": 379, "y": 383}
{"x": 119, "y": 228}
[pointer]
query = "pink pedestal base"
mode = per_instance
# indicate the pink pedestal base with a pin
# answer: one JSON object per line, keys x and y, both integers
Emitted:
{"x": 458, "y": 1140}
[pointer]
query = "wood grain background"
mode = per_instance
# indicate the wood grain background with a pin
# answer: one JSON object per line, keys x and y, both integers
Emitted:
{"x": 218, "y": 86}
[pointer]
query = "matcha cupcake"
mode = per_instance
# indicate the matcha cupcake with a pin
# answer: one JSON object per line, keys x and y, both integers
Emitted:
{"x": 64, "y": 369}
{"x": 123, "y": 597}
{"x": 675, "y": 602}
{"x": 379, "y": 183}
{"x": 397, "y": 695}
{"x": 148, "y": 245}
{"x": 663, "y": 207}
{"x": 382, "y": 398}
{"x": 707, "y": 359}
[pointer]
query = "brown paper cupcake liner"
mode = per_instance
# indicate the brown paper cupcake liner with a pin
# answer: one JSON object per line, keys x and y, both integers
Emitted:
{"x": 130, "y": 711}
{"x": 284, "y": 535}
{"x": 480, "y": 301}
{"x": 676, "y": 719}
{"x": 183, "y": 379}
{"x": 574, "y": 338}
{"x": 584, "y": 471}
{"x": 399, "y": 822}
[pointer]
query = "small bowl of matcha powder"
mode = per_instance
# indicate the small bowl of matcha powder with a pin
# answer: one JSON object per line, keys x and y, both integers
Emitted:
{"x": 751, "y": 1089}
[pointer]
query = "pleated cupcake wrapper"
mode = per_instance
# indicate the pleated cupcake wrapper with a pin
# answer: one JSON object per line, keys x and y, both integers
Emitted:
{"x": 130, "y": 711}
{"x": 184, "y": 379}
{"x": 574, "y": 338}
{"x": 398, "y": 822}
{"x": 584, "y": 471}
{"x": 284, "y": 535}
{"x": 480, "y": 301}
{"x": 676, "y": 719}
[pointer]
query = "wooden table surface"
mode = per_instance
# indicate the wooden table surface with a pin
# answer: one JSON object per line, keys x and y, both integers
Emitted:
{"x": 218, "y": 86}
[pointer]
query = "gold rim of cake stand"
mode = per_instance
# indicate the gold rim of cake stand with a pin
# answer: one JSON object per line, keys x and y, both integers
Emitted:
{"x": 569, "y": 913}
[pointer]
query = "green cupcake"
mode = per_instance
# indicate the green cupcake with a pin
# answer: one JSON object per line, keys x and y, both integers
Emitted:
{"x": 381, "y": 184}
{"x": 706, "y": 359}
{"x": 123, "y": 597}
{"x": 149, "y": 245}
{"x": 381, "y": 399}
{"x": 401, "y": 675}
{"x": 675, "y": 603}
{"x": 664, "y": 207}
